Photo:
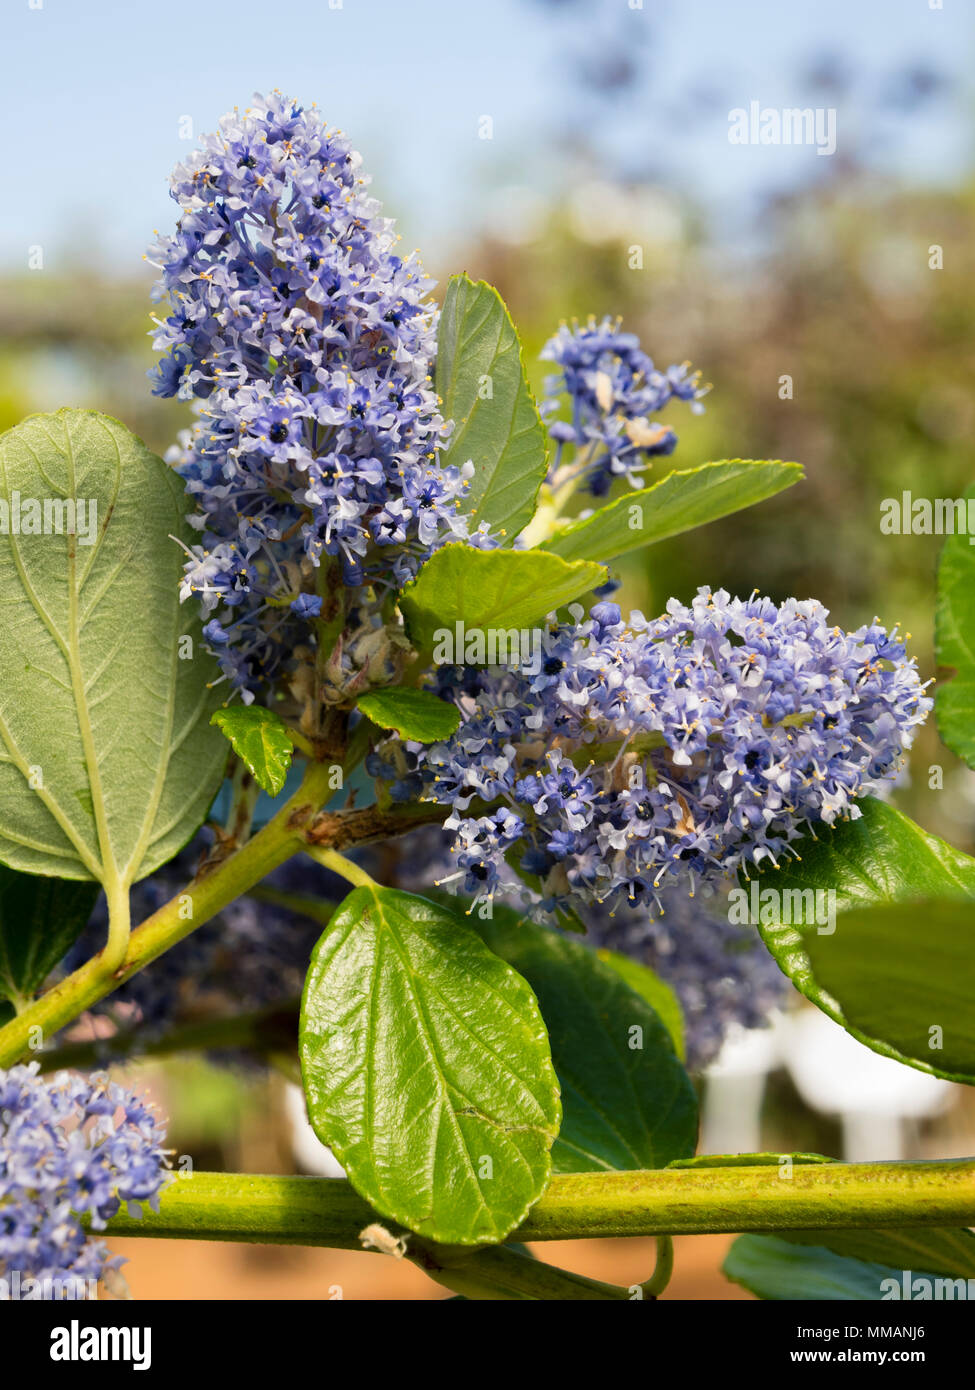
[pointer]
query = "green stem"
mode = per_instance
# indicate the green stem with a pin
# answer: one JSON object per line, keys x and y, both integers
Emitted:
{"x": 542, "y": 524}
{"x": 331, "y": 859}
{"x": 366, "y": 824}
{"x": 202, "y": 899}
{"x": 315, "y": 909}
{"x": 303, "y": 744}
{"x": 689, "y": 1201}
{"x": 17, "y": 1001}
{"x": 243, "y": 802}
{"x": 662, "y": 1270}
{"x": 553, "y": 498}
{"x": 119, "y": 925}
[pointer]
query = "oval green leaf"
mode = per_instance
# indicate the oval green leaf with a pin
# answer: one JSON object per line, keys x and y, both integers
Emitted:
{"x": 260, "y": 738}
{"x": 489, "y": 592}
{"x": 935, "y": 1250}
{"x": 658, "y": 994}
{"x": 107, "y": 760}
{"x": 627, "y": 1101}
{"x": 773, "y": 1268}
{"x": 483, "y": 388}
{"x": 905, "y": 973}
{"x": 850, "y": 1265}
{"x": 427, "y": 1069}
{"x": 881, "y": 858}
{"x": 413, "y": 714}
{"x": 679, "y": 502}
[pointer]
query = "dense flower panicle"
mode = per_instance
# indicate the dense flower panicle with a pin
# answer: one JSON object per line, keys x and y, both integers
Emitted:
{"x": 648, "y": 753}
{"x": 613, "y": 389}
{"x": 70, "y": 1146}
{"x": 307, "y": 342}
{"x": 724, "y": 978}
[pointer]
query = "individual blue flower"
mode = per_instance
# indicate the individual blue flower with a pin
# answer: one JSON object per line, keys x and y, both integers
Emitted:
{"x": 307, "y": 605}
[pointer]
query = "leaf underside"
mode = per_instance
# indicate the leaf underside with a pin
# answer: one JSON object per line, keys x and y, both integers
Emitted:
{"x": 107, "y": 760}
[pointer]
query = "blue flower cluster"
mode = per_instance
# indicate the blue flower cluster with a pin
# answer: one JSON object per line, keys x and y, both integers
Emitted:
{"x": 70, "y": 1146}
{"x": 722, "y": 975}
{"x": 613, "y": 389}
{"x": 644, "y": 754}
{"x": 306, "y": 341}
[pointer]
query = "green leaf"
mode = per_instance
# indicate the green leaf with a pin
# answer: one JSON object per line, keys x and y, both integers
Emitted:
{"x": 414, "y": 714}
{"x": 929, "y": 1250}
{"x": 905, "y": 973}
{"x": 482, "y": 385}
{"x": 261, "y": 739}
{"x": 40, "y": 919}
{"x": 839, "y": 1264}
{"x": 490, "y": 590}
{"x": 658, "y": 994}
{"x": 120, "y": 769}
{"x": 954, "y": 644}
{"x": 881, "y": 858}
{"x": 626, "y": 1100}
{"x": 757, "y": 1160}
{"x": 776, "y": 1269}
{"x": 679, "y": 502}
{"x": 427, "y": 1069}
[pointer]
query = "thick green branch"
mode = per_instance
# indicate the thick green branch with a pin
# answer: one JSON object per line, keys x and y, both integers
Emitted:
{"x": 323, "y": 1211}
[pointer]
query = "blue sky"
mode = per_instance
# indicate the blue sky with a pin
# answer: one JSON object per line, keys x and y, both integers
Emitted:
{"x": 95, "y": 91}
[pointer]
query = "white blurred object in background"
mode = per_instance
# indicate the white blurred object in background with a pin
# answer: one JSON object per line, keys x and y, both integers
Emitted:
{"x": 731, "y": 1118}
{"x": 310, "y": 1153}
{"x": 873, "y": 1095}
